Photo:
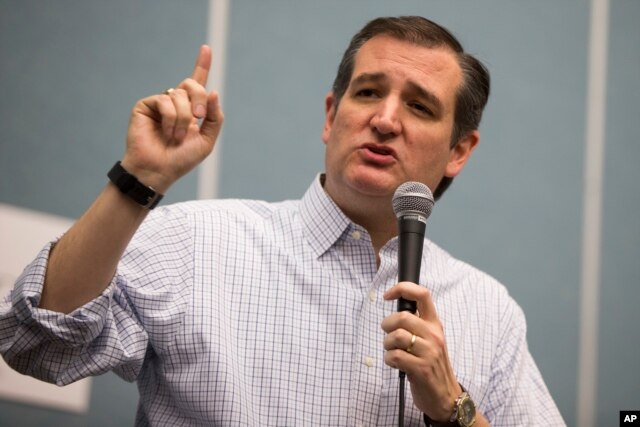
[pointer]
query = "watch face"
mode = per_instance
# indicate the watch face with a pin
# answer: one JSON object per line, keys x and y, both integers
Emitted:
{"x": 467, "y": 412}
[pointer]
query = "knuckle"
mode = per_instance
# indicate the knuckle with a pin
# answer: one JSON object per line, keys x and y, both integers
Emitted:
{"x": 392, "y": 357}
{"x": 179, "y": 92}
{"x": 397, "y": 338}
{"x": 192, "y": 87}
{"x": 163, "y": 98}
{"x": 175, "y": 94}
{"x": 189, "y": 82}
{"x": 386, "y": 342}
{"x": 440, "y": 341}
{"x": 185, "y": 83}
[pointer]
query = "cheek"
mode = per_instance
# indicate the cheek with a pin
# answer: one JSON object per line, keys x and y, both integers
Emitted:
{"x": 427, "y": 150}
{"x": 340, "y": 126}
{"x": 334, "y": 151}
{"x": 430, "y": 156}
{"x": 338, "y": 137}
{"x": 350, "y": 118}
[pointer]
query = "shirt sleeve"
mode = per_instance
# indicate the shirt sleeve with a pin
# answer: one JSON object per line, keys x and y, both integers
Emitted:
{"x": 518, "y": 394}
{"x": 114, "y": 331}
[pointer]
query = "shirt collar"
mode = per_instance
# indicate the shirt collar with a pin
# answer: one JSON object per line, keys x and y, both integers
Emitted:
{"x": 323, "y": 221}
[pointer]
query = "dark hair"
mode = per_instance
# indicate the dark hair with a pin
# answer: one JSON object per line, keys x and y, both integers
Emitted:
{"x": 473, "y": 93}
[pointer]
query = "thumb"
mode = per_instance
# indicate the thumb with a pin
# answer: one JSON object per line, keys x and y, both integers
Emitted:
{"x": 417, "y": 293}
{"x": 212, "y": 122}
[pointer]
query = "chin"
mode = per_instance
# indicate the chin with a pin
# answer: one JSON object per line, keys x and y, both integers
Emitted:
{"x": 376, "y": 185}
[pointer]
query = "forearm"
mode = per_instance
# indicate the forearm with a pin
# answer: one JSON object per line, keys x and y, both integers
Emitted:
{"x": 83, "y": 262}
{"x": 164, "y": 142}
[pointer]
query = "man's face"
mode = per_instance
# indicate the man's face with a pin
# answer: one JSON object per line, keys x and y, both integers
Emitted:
{"x": 394, "y": 122}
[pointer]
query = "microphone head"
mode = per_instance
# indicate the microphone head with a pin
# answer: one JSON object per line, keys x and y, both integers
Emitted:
{"x": 412, "y": 197}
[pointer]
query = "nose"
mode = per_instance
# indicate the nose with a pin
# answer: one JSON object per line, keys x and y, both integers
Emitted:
{"x": 386, "y": 120}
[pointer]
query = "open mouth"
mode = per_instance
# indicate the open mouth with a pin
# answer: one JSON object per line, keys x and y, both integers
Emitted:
{"x": 380, "y": 150}
{"x": 379, "y": 155}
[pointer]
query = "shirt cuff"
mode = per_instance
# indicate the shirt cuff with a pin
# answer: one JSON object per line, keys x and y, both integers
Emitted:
{"x": 74, "y": 329}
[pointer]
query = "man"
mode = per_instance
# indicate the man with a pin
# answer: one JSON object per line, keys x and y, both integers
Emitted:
{"x": 250, "y": 313}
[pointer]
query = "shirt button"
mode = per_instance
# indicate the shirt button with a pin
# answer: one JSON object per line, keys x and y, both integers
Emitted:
{"x": 356, "y": 235}
{"x": 368, "y": 361}
{"x": 372, "y": 295}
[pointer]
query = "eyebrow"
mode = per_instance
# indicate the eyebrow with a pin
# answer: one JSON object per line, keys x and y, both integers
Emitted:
{"x": 381, "y": 77}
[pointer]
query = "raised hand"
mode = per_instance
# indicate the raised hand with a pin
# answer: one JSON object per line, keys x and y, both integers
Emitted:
{"x": 168, "y": 135}
{"x": 171, "y": 133}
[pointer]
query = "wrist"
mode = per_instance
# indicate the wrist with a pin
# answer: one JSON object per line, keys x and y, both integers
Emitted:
{"x": 462, "y": 414}
{"x": 129, "y": 185}
{"x": 157, "y": 180}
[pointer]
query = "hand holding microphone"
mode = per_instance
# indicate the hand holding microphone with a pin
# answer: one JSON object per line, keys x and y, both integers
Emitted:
{"x": 416, "y": 344}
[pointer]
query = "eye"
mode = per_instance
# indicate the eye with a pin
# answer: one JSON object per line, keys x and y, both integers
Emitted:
{"x": 421, "y": 109}
{"x": 366, "y": 93}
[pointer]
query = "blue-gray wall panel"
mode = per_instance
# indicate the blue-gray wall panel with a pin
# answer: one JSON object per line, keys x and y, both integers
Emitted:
{"x": 71, "y": 72}
{"x": 618, "y": 373}
{"x": 516, "y": 210}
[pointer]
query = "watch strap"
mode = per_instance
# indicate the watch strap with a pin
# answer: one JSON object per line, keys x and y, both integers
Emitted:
{"x": 129, "y": 185}
{"x": 430, "y": 423}
{"x": 453, "y": 422}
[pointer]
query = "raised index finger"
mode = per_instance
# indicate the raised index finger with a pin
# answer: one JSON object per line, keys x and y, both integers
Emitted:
{"x": 203, "y": 64}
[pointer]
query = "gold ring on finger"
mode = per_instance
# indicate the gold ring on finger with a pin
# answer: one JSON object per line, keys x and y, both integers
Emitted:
{"x": 413, "y": 341}
{"x": 168, "y": 91}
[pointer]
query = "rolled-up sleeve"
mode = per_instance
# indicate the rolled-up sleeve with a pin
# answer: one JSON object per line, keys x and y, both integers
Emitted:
{"x": 63, "y": 348}
{"x": 147, "y": 297}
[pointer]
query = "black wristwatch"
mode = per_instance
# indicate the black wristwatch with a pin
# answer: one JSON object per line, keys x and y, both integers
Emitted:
{"x": 128, "y": 184}
{"x": 464, "y": 413}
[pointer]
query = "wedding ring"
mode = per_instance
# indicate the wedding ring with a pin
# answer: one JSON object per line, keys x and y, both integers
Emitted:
{"x": 168, "y": 91}
{"x": 413, "y": 341}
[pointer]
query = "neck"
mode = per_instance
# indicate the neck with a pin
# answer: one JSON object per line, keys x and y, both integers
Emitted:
{"x": 381, "y": 228}
{"x": 375, "y": 214}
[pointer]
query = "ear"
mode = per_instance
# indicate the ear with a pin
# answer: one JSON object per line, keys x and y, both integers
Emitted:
{"x": 330, "y": 114}
{"x": 461, "y": 152}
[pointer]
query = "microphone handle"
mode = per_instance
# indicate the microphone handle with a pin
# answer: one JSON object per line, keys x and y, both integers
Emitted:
{"x": 411, "y": 241}
{"x": 411, "y": 230}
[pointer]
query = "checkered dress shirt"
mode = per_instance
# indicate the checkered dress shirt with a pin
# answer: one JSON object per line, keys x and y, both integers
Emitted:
{"x": 247, "y": 313}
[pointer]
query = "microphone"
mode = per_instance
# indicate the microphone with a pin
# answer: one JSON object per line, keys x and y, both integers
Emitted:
{"x": 412, "y": 204}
